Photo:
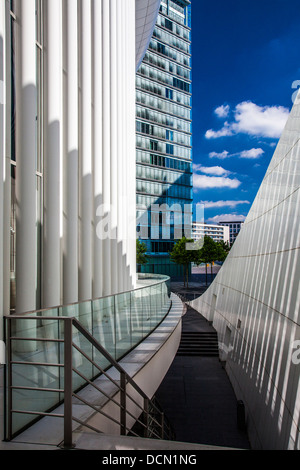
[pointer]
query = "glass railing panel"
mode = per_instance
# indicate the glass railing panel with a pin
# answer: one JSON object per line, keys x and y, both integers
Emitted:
{"x": 137, "y": 332}
{"x": 165, "y": 300}
{"x": 123, "y": 324}
{"x": 118, "y": 323}
{"x": 32, "y": 401}
{"x": 35, "y": 358}
{"x": 153, "y": 306}
{"x": 81, "y": 360}
{"x": 160, "y": 301}
{"x": 104, "y": 328}
{"x": 83, "y": 313}
{"x": 147, "y": 312}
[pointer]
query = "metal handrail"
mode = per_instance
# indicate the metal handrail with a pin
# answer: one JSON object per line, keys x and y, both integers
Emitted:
{"x": 158, "y": 280}
{"x": 152, "y": 427}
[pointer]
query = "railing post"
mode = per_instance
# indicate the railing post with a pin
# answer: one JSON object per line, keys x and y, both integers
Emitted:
{"x": 123, "y": 404}
{"x": 68, "y": 383}
{"x": 146, "y": 417}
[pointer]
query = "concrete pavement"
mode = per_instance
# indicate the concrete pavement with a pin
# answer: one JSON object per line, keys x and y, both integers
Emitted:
{"x": 198, "y": 398}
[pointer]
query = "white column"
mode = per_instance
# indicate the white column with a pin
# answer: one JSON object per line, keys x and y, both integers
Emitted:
{"x": 113, "y": 146}
{"x": 106, "y": 89}
{"x": 85, "y": 283}
{"x": 53, "y": 159}
{"x": 120, "y": 150}
{"x": 7, "y": 166}
{"x": 2, "y": 151}
{"x": 131, "y": 143}
{"x": 98, "y": 155}
{"x": 126, "y": 180}
{"x": 70, "y": 272}
{"x": 25, "y": 156}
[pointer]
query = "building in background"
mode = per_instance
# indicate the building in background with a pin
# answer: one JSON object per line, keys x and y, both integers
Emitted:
{"x": 163, "y": 141}
{"x": 218, "y": 233}
{"x": 234, "y": 229}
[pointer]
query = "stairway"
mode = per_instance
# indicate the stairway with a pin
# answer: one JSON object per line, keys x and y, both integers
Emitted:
{"x": 199, "y": 343}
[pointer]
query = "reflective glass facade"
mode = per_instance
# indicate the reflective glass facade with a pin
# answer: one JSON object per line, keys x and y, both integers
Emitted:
{"x": 164, "y": 140}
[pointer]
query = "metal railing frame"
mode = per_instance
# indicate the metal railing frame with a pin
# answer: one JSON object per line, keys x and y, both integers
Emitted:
{"x": 158, "y": 428}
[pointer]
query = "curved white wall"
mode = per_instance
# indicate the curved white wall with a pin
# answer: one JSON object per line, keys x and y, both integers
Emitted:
{"x": 146, "y": 12}
{"x": 255, "y": 299}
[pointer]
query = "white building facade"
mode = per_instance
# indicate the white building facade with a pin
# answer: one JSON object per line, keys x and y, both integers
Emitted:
{"x": 218, "y": 233}
{"x": 234, "y": 228}
{"x": 67, "y": 148}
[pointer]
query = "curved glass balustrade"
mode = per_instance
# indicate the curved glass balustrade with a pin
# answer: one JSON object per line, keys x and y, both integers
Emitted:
{"x": 35, "y": 342}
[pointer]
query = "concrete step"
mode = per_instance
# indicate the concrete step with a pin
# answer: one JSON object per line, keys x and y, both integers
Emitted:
{"x": 198, "y": 343}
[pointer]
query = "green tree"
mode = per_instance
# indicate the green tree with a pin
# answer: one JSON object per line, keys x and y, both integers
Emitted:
{"x": 206, "y": 254}
{"x": 141, "y": 257}
{"x": 225, "y": 246}
{"x": 183, "y": 257}
{"x": 210, "y": 252}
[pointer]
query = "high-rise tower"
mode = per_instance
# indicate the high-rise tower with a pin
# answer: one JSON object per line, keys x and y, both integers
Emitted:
{"x": 163, "y": 125}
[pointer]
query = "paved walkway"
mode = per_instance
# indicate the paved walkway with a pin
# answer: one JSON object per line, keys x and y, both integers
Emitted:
{"x": 198, "y": 398}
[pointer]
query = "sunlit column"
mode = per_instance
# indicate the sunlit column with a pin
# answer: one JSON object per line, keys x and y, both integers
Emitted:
{"x": 126, "y": 170}
{"x": 131, "y": 144}
{"x": 2, "y": 150}
{"x": 106, "y": 90}
{"x": 85, "y": 280}
{"x": 25, "y": 156}
{"x": 120, "y": 150}
{"x": 70, "y": 273}
{"x": 7, "y": 164}
{"x": 53, "y": 158}
{"x": 98, "y": 155}
{"x": 114, "y": 134}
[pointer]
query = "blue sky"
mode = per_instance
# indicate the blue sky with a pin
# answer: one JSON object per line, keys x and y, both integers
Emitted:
{"x": 246, "y": 68}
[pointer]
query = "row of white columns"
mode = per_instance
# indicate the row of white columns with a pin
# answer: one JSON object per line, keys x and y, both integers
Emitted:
{"x": 5, "y": 151}
{"x": 26, "y": 110}
{"x": 89, "y": 150}
{"x": 2, "y": 147}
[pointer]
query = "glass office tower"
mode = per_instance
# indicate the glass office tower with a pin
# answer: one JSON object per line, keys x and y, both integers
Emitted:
{"x": 164, "y": 147}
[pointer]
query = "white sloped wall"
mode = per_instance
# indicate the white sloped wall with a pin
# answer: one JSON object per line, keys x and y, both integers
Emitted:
{"x": 254, "y": 302}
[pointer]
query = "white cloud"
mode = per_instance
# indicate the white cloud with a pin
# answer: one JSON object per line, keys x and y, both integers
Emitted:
{"x": 214, "y": 204}
{"x": 208, "y": 182}
{"x": 224, "y": 132}
{"x": 213, "y": 177}
{"x": 251, "y": 154}
{"x": 266, "y": 121}
{"x": 222, "y": 111}
{"x": 212, "y": 170}
{"x": 226, "y": 218}
{"x": 254, "y": 120}
{"x": 221, "y": 155}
